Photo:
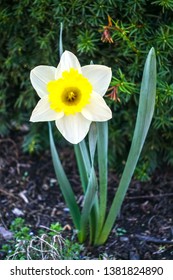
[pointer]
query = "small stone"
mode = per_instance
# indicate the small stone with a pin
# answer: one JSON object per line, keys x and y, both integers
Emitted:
{"x": 40, "y": 198}
{"x": 17, "y": 212}
{"x": 53, "y": 180}
{"x": 6, "y": 234}
{"x": 45, "y": 187}
{"x": 124, "y": 239}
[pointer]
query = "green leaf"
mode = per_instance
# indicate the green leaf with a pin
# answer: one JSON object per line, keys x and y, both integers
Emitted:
{"x": 64, "y": 183}
{"x": 85, "y": 156}
{"x": 89, "y": 199}
{"x": 102, "y": 144}
{"x": 89, "y": 182}
{"x": 83, "y": 161}
{"x": 81, "y": 167}
{"x": 94, "y": 216}
{"x": 92, "y": 140}
{"x": 144, "y": 117}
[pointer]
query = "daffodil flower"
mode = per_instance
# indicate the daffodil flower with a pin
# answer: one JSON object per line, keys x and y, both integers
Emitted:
{"x": 71, "y": 95}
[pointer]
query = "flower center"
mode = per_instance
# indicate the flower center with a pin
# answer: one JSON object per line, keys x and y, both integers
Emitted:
{"x": 70, "y": 93}
{"x": 71, "y": 96}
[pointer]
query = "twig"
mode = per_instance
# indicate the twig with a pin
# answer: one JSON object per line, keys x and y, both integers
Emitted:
{"x": 153, "y": 239}
{"x": 8, "y": 194}
{"x": 150, "y": 196}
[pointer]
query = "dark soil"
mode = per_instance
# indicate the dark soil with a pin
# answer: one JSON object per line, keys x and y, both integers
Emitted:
{"x": 28, "y": 188}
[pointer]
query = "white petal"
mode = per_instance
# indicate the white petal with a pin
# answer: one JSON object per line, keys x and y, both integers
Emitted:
{"x": 68, "y": 60}
{"x": 74, "y": 128}
{"x": 97, "y": 110}
{"x": 40, "y": 76}
{"x": 43, "y": 112}
{"x": 99, "y": 76}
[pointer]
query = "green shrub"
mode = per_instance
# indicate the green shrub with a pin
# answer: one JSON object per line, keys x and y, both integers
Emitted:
{"x": 29, "y": 37}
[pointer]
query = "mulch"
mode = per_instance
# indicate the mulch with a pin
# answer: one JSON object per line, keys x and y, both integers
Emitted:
{"x": 28, "y": 189}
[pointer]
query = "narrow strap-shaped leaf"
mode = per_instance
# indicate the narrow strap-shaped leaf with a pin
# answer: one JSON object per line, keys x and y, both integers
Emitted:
{"x": 92, "y": 140}
{"x": 94, "y": 217}
{"x": 88, "y": 177}
{"x": 82, "y": 156}
{"x": 89, "y": 199}
{"x": 64, "y": 183}
{"x": 144, "y": 117}
{"x": 81, "y": 167}
{"x": 85, "y": 156}
{"x": 102, "y": 145}
{"x": 83, "y": 162}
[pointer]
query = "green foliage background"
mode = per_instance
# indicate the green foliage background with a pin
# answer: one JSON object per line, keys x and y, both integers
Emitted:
{"x": 29, "y": 37}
